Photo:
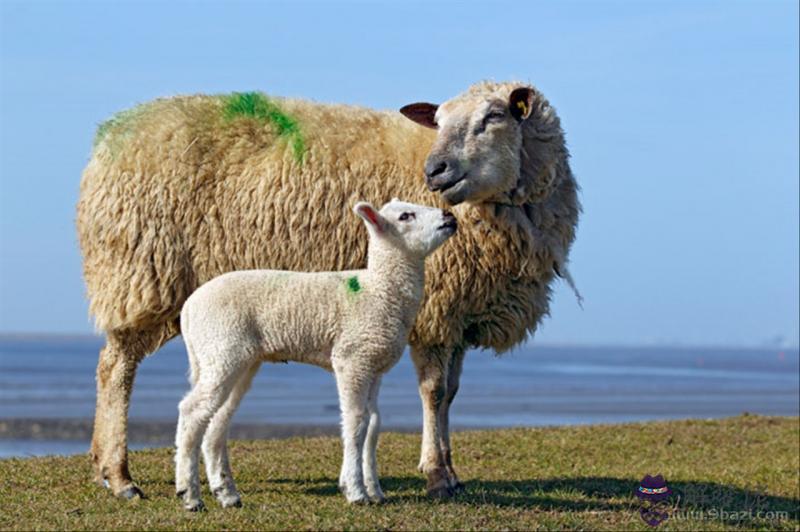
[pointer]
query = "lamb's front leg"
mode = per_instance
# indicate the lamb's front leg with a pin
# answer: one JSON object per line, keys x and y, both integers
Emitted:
{"x": 215, "y": 444}
{"x": 370, "y": 461}
{"x": 353, "y": 395}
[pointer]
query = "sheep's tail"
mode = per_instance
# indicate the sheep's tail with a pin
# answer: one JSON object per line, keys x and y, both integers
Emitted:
{"x": 563, "y": 272}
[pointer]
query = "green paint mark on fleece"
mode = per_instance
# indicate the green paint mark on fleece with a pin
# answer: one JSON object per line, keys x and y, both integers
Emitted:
{"x": 117, "y": 127}
{"x": 256, "y": 105}
{"x": 353, "y": 285}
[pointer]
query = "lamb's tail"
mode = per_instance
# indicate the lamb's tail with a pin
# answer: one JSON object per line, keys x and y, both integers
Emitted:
{"x": 194, "y": 367}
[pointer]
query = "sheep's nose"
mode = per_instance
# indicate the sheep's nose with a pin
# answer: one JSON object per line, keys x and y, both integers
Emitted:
{"x": 442, "y": 172}
{"x": 448, "y": 215}
{"x": 434, "y": 168}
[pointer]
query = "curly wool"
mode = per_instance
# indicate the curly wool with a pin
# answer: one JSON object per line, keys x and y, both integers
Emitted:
{"x": 178, "y": 192}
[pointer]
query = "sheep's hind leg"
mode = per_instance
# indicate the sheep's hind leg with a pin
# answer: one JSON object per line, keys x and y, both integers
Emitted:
{"x": 353, "y": 395}
{"x": 116, "y": 370}
{"x": 370, "y": 461}
{"x": 215, "y": 444}
{"x": 196, "y": 410}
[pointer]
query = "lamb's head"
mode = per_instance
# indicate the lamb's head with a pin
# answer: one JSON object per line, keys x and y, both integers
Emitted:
{"x": 415, "y": 230}
{"x": 491, "y": 143}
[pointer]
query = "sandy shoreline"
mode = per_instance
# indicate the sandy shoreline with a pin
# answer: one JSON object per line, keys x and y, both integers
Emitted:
{"x": 153, "y": 431}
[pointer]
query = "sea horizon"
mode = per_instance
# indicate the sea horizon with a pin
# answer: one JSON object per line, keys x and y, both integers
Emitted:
{"x": 47, "y": 390}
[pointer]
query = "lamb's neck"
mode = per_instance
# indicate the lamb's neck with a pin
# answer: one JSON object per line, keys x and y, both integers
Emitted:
{"x": 404, "y": 276}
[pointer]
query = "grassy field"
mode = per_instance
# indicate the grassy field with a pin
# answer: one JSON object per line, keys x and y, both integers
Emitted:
{"x": 735, "y": 473}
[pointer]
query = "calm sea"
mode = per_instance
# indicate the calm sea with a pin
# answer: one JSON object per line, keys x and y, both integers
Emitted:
{"x": 53, "y": 378}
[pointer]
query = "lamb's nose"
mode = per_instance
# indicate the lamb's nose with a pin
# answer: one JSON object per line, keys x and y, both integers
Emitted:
{"x": 448, "y": 214}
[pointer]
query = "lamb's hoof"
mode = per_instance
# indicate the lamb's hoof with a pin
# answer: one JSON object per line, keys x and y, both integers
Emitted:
{"x": 377, "y": 499}
{"x": 358, "y": 500}
{"x": 195, "y": 505}
{"x": 356, "y": 496}
{"x": 228, "y": 499}
{"x": 131, "y": 492}
{"x": 459, "y": 487}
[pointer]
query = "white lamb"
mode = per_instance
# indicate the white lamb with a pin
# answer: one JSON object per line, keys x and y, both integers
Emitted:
{"x": 355, "y": 323}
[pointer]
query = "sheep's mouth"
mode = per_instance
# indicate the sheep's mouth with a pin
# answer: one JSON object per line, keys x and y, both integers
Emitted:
{"x": 444, "y": 187}
{"x": 456, "y": 191}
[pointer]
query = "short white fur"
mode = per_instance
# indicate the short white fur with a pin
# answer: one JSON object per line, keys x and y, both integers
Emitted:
{"x": 355, "y": 323}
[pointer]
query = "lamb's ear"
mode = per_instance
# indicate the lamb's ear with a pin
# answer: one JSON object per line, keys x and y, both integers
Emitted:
{"x": 421, "y": 113}
{"x": 372, "y": 217}
{"x": 520, "y": 102}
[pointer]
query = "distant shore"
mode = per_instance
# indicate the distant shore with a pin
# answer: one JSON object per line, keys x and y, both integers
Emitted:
{"x": 152, "y": 432}
{"x": 47, "y": 392}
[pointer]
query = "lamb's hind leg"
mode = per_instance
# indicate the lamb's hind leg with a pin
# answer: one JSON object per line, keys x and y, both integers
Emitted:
{"x": 215, "y": 444}
{"x": 116, "y": 370}
{"x": 196, "y": 410}
{"x": 370, "y": 460}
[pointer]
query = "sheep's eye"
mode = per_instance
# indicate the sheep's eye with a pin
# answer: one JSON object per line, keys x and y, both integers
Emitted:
{"x": 406, "y": 216}
{"x": 495, "y": 116}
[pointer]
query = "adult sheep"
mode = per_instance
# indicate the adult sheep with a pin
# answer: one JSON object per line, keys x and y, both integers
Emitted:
{"x": 180, "y": 190}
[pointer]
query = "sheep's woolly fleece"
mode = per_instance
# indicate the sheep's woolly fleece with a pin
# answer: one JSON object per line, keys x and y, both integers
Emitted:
{"x": 182, "y": 189}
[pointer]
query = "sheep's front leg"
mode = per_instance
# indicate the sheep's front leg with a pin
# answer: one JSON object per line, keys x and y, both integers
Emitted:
{"x": 453, "y": 377}
{"x": 370, "y": 461}
{"x": 215, "y": 444}
{"x": 353, "y": 395}
{"x": 433, "y": 365}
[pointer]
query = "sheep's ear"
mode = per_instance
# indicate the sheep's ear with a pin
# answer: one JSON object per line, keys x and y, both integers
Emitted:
{"x": 520, "y": 102}
{"x": 421, "y": 113}
{"x": 370, "y": 216}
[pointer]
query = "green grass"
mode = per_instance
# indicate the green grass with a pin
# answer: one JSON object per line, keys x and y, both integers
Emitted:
{"x": 552, "y": 478}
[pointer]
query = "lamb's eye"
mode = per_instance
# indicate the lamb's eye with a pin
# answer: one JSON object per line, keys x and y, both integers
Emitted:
{"x": 406, "y": 216}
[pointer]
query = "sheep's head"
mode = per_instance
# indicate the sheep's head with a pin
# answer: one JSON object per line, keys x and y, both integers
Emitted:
{"x": 490, "y": 144}
{"x": 414, "y": 229}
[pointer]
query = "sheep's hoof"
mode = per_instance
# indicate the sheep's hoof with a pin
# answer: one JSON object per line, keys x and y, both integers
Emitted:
{"x": 439, "y": 484}
{"x": 459, "y": 487}
{"x": 443, "y": 492}
{"x": 131, "y": 492}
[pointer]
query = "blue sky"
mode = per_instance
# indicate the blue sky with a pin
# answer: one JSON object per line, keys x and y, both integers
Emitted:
{"x": 682, "y": 118}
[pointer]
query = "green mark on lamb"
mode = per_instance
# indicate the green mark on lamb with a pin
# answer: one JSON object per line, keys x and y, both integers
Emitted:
{"x": 257, "y": 106}
{"x": 353, "y": 285}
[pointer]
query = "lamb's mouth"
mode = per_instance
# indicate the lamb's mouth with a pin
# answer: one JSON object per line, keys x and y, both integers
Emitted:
{"x": 449, "y": 226}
